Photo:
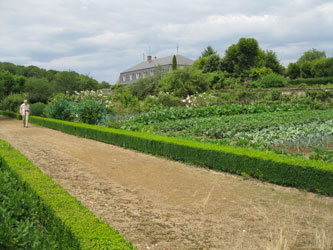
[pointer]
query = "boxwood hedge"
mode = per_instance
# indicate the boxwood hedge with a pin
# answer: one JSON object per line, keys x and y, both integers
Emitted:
{"x": 316, "y": 176}
{"x": 70, "y": 223}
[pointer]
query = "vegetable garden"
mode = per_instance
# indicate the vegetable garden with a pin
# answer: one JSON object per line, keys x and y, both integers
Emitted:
{"x": 286, "y": 129}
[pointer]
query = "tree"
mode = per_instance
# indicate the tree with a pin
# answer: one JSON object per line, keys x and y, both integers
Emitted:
{"x": 184, "y": 82}
{"x": 212, "y": 64}
{"x": 293, "y": 71}
{"x": 272, "y": 62}
{"x": 248, "y": 50}
{"x": 241, "y": 57}
{"x": 7, "y": 82}
{"x": 67, "y": 81}
{"x": 208, "y": 52}
{"x": 39, "y": 89}
{"x": 310, "y": 56}
{"x": 306, "y": 69}
{"x": 174, "y": 63}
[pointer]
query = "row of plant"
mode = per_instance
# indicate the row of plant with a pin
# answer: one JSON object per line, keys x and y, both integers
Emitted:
{"x": 38, "y": 213}
{"x": 173, "y": 114}
{"x": 293, "y": 129}
{"x": 19, "y": 224}
{"x": 310, "y": 175}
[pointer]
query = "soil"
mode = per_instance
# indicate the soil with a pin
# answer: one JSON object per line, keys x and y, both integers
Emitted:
{"x": 161, "y": 204}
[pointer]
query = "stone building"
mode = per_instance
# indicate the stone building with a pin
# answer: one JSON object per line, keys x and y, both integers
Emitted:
{"x": 147, "y": 68}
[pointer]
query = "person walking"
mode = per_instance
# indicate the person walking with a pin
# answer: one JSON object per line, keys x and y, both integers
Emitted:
{"x": 25, "y": 111}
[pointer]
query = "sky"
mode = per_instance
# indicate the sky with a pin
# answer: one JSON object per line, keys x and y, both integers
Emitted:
{"x": 102, "y": 38}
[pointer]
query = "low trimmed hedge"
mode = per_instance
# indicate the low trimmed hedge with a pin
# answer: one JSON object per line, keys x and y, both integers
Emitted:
{"x": 71, "y": 223}
{"x": 312, "y": 81}
{"x": 11, "y": 114}
{"x": 316, "y": 176}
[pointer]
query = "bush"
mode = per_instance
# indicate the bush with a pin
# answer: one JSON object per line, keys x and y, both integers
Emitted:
{"x": 61, "y": 108}
{"x": 91, "y": 111}
{"x": 267, "y": 166}
{"x": 185, "y": 82}
{"x": 63, "y": 216}
{"x": 276, "y": 95}
{"x": 272, "y": 80}
{"x": 312, "y": 81}
{"x": 12, "y": 102}
{"x": 37, "y": 108}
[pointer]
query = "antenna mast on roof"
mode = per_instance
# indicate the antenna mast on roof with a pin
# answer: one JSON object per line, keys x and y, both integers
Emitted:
{"x": 149, "y": 51}
{"x": 143, "y": 56}
{"x": 177, "y": 49}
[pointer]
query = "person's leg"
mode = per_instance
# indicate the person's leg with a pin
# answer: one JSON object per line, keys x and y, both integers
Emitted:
{"x": 26, "y": 119}
{"x": 23, "y": 119}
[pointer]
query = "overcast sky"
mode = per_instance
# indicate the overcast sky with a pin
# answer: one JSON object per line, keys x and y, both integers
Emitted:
{"x": 104, "y": 37}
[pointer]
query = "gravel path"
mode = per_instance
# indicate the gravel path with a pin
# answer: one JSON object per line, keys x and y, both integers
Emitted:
{"x": 160, "y": 204}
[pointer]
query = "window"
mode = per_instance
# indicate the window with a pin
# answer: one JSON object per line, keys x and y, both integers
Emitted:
{"x": 151, "y": 73}
{"x": 131, "y": 77}
{"x": 137, "y": 75}
{"x": 124, "y": 78}
{"x": 143, "y": 74}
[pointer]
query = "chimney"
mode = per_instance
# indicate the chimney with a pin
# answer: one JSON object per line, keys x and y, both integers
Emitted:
{"x": 149, "y": 58}
{"x": 155, "y": 57}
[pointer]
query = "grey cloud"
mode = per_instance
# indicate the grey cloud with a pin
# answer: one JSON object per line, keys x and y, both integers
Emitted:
{"x": 103, "y": 37}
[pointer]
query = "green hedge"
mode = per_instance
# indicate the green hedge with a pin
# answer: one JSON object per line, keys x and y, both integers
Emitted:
{"x": 316, "y": 176}
{"x": 312, "y": 81}
{"x": 72, "y": 224}
{"x": 11, "y": 114}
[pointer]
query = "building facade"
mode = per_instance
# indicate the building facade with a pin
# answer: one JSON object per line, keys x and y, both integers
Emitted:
{"x": 147, "y": 68}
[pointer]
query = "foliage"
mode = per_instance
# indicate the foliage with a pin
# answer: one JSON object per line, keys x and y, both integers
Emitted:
{"x": 256, "y": 73}
{"x": 293, "y": 70}
{"x": 272, "y": 80}
{"x": 212, "y": 63}
{"x": 61, "y": 108}
{"x": 306, "y": 70}
{"x": 38, "y": 89}
{"x": 19, "y": 226}
{"x": 312, "y": 81}
{"x": 310, "y": 56}
{"x": 91, "y": 111}
{"x": 184, "y": 82}
{"x": 37, "y": 108}
{"x": 63, "y": 216}
{"x": 208, "y": 52}
{"x": 172, "y": 114}
{"x": 174, "y": 63}
{"x": 322, "y": 67}
{"x": 12, "y": 102}
{"x": 272, "y": 62}
{"x": 267, "y": 166}
{"x": 145, "y": 87}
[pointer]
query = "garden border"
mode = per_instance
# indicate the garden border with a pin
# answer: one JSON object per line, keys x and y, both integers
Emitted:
{"x": 310, "y": 175}
{"x": 70, "y": 221}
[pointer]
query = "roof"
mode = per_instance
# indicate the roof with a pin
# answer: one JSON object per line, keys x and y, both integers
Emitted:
{"x": 181, "y": 60}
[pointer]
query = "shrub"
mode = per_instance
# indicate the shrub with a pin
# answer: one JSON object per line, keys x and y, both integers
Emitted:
{"x": 267, "y": 166}
{"x": 272, "y": 80}
{"x": 276, "y": 95}
{"x": 61, "y": 108}
{"x": 184, "y": 82}
{"x": 91, "y": 111}
{"x": 37, "y": 108}
{"x": 312, "y": 81}
{"x": 12, "y": 102}
{"x": 70, "y": 223}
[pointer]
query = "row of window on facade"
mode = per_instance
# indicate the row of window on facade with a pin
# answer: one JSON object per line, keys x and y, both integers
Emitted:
{"x": 138, "y": 75}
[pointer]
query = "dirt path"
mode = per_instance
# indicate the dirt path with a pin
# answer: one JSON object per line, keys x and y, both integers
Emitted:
{"x": 161, "y": 204}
